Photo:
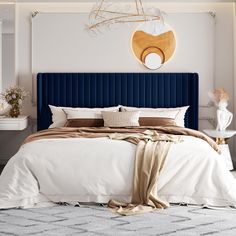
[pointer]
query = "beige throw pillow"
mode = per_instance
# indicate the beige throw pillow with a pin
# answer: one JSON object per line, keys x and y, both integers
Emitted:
{"x": 120, "y": 119}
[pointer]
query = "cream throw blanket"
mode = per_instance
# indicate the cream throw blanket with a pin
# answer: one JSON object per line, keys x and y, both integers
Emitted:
{"x": 151, "y": 152}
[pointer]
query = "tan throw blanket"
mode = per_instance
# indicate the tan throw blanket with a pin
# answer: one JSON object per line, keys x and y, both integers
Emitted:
{"x": 151, "y": 152}
{"x": 96, "y": 132}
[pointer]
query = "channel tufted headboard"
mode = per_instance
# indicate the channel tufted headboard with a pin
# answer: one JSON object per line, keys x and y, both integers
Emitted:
{"x": 111, "y": 89}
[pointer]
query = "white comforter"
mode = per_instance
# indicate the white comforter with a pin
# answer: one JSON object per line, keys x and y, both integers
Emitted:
{"x": 97, "y": 170}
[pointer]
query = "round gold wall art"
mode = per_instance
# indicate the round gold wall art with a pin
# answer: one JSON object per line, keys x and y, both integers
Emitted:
{"x": 153, "y": 44}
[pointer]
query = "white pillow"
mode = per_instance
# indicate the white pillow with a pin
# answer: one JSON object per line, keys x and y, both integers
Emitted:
{"x": 120, "y": 119}
{"x": 83, "y": 114}
{"x": 59, "y": 116}
{"x": 176, "y": 113}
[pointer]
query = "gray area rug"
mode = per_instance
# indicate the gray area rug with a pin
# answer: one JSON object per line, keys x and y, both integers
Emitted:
{"x": 98, "y": 220}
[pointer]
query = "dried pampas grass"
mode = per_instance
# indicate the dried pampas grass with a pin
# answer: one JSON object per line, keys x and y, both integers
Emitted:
{"x": 218, "y": 94}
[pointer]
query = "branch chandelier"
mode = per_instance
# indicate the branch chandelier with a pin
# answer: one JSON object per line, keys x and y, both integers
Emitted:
{"x": 106, "y": 13}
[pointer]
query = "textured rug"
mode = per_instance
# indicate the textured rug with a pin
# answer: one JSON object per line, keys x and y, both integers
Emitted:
{"x": 98, "y": 220}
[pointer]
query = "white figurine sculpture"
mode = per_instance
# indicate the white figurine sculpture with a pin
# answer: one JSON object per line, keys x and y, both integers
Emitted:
{"x": 224, "y": 117}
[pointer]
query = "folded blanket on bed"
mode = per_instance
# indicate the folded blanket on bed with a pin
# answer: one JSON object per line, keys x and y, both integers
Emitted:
{"x": 96, "y": 132}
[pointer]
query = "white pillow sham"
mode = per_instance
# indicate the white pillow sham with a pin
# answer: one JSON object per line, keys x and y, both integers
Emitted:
{"x": 83, "y": 114}
{"x": 176, "y": 113}
{"x": 120, "y": 119}
{"x": 59, "y": 116}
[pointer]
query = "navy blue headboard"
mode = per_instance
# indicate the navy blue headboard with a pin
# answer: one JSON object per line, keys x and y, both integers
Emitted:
{"x": 111, "y": 89}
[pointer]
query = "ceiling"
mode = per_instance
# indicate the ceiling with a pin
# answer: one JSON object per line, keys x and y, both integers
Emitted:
{"x": 7, "y": 8}
{"x": 67, "y": 1}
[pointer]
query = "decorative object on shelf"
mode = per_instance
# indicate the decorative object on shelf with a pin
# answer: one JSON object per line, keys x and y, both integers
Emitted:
{"x": 4, "y": 108}
{"x": 224, "y": 117}
{"x": 14, "y": 97}
{"x": 107, "y": 13}
{"x": 153, "y": 44}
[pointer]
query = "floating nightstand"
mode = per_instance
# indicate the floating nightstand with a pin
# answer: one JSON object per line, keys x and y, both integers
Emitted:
{"x": 220, "y": 137}
{"x": 8, "y": 123}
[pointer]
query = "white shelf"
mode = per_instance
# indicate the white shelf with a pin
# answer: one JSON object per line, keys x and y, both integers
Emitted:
{"x": 19, "y": 123}
{"x": 220, "y": 134}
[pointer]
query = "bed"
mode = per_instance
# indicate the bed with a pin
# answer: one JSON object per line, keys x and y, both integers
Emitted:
{"x": 48, "y": 171}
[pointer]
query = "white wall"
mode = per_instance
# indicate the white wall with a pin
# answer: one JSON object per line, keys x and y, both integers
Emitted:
{"x": 223, "y": 72}
{"x": 234, "y": 84}
{"x": 0, "y": 56}
{"x": 223, "y": 50}
{"x": 7, "y": 12}
{"x": 8, "y": 62}
{"x": 68, "y": 47}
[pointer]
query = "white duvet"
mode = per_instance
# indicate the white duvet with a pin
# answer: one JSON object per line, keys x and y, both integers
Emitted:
{"x": 97, "y": 170}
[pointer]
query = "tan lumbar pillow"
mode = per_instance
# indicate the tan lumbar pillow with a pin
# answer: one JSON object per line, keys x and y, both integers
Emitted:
{"x": 120, "y": 119}
{"x": 156, "y": 121}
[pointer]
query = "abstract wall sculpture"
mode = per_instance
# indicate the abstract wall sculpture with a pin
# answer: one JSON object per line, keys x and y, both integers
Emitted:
{"x": 153, "y": 44}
